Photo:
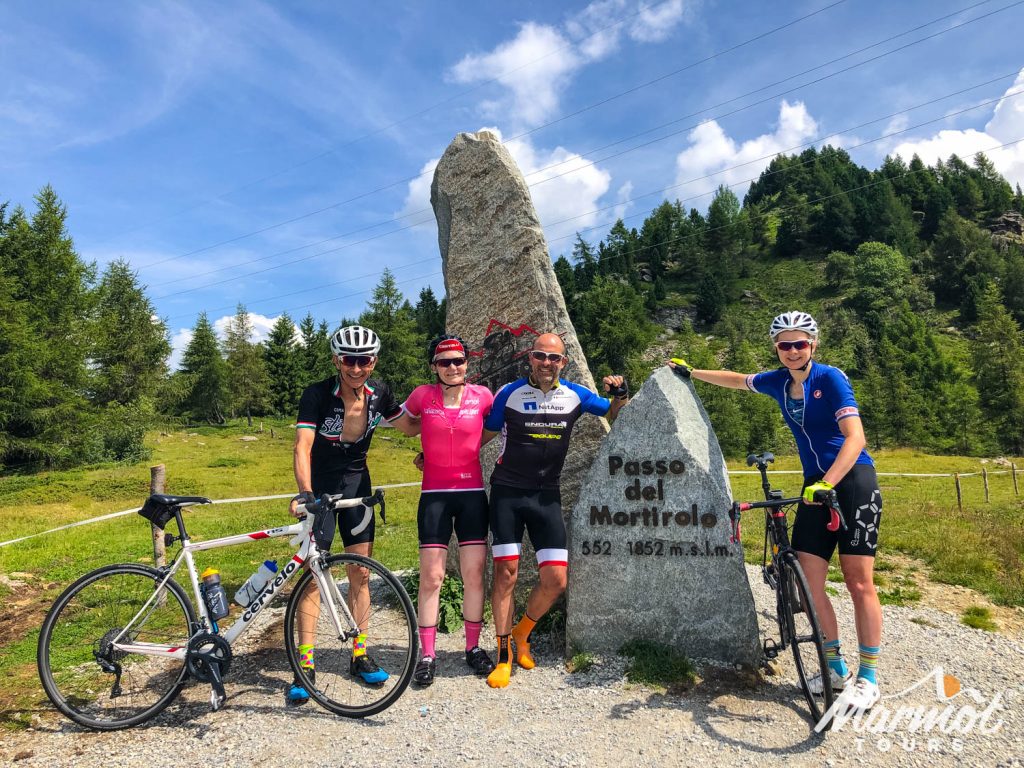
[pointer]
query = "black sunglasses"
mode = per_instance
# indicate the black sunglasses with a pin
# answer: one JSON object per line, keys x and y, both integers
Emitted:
{"x": 351, "y": 361}
{"x": 448, "y": 362}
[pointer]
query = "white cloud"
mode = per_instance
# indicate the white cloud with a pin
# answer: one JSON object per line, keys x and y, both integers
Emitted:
{"x": 538, "y": 64}
{"x": 261, "y": 325}
{"x": 534, "y": 65}
{"x": 562, "y": 184}
{"x": 1006, "y": 125}
{"x": 712, "y": 151}
{"x": 179, "y": 341}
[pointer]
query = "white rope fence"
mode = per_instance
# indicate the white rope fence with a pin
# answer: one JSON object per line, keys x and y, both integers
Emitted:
{"x": 984, "y": 474}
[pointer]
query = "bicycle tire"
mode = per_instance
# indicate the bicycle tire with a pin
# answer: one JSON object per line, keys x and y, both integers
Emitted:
{"x": 805, "y": 637}
{"x": 74, "y": 643}
{"x": 392, "y": 641}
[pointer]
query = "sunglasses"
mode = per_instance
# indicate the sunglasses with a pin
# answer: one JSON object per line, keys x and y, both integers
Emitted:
{"x": 551, "y": 357}
{"x": 447, "y": 362}
{"x": 351, "y": 361}
{"x": 799, "y": 345}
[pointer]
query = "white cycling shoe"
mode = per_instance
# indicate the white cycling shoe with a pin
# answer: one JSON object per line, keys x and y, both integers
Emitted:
{"x": 861, "y": 696}
{"x": 839, "y": 682}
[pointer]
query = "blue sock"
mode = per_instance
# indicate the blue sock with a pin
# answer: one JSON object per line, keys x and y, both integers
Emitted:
{"x": 835, "y": 658}
{"x": 868, "y": 662}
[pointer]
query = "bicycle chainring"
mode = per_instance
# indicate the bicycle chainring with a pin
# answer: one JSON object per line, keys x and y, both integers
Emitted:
{"x": 204, "y": 650}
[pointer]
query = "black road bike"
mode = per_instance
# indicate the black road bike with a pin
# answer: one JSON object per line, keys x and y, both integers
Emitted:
{"x": 794, "y": 609}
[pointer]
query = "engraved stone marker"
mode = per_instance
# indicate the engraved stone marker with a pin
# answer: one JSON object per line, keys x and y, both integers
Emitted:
{"x": 649, "y": 550}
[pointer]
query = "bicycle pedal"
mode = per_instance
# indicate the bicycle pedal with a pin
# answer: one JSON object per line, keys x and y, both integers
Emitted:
{"x": 771, "y": 649}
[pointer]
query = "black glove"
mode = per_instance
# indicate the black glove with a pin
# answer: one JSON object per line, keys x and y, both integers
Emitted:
{"x": 621, "y": 391}
{"x": 681, "y": 367}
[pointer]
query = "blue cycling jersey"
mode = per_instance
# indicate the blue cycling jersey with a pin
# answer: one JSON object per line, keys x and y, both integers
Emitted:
{"x": 828, "y": 399}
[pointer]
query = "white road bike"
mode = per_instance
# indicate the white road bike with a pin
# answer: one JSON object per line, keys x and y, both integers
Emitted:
{"x": 119, "y": 644}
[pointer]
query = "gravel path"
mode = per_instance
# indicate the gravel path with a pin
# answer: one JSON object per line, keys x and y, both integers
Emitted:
{"x": 550, "y": 717}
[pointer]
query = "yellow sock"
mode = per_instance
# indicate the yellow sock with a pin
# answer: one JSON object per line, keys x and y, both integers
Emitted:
{"x": 503, "y": 669}
{"x": 521, "y": 634}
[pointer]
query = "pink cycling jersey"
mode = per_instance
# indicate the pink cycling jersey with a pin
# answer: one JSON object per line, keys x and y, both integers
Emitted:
{"x": 450, "y": 436}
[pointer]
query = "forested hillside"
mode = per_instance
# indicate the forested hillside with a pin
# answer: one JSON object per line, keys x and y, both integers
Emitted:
{"x": 915, "y": 273}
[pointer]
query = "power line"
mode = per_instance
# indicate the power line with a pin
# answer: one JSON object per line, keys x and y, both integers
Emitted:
{"x": 662, "y": 190}
{"x": 399, "y": 182}
{"x": 704, "y": 232}
{"x": 616, "y": 154}
{"x": 394, "y": 124}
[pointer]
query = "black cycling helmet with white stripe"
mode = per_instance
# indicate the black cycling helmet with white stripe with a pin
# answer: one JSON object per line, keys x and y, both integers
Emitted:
{"x": 355, "y": 340}
{"x": 793, "y": 321}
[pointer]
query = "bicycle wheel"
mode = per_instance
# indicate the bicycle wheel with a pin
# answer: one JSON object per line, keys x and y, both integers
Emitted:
{"x": 805, "y": 636}
{"x": 390, "y": 623}
{"x": 89, "y": 680}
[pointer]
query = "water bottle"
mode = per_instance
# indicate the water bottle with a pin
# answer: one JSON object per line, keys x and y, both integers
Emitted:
{"x": 214, "y": 595}
{"x": 249, "y": 591}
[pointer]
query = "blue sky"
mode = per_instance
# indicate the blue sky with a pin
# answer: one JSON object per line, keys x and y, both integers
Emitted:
{"x": 279, "y": 155}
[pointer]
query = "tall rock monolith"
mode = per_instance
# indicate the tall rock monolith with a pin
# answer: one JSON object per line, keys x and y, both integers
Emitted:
{"x": 650, "y": 555}
{"x": 501, "y": 287}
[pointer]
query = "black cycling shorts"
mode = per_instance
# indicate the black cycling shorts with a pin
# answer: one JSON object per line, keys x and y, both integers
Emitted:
{"x": 440, "y": 511}
{"x": 861, "y": 503}
{"x": 356, "y": 524}
{"x": 539, "y": 512}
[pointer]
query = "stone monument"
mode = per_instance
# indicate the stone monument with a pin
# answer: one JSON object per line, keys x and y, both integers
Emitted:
{"x": 501, "y": 287}
{"x": 649, "y": 549}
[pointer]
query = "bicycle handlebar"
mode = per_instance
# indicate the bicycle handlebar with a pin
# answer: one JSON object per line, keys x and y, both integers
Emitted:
{"x": 338, "y": 501}
{"x": 828, "y": 498}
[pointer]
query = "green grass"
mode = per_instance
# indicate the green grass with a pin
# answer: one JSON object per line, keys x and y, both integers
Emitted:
{"x": 658, "y": 666}
{"x": 981, "y": 548}
{"x": 581, "y": 661}
{"x": 979, "y": 617}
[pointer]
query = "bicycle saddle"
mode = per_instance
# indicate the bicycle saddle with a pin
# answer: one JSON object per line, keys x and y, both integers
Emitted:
{"x": 178, "y": 501}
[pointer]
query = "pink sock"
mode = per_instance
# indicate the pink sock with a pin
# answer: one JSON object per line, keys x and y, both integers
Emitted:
{"x": 427, "y": 636}
{"x": 472, "y": 633}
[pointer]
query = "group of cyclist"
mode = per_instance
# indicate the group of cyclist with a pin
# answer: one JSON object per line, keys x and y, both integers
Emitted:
{"x": 534, "y": 417}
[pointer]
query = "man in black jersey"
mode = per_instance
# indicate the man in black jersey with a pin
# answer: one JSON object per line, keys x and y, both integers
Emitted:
{"x": 534, "y": 417}
{"x": 337, "y": 419}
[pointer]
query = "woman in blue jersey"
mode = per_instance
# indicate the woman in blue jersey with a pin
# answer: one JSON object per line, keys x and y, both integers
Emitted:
{"x": 818, "y": 405}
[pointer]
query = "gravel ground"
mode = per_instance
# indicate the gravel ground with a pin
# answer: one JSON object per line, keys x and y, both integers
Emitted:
{"x": 550, "y": 717}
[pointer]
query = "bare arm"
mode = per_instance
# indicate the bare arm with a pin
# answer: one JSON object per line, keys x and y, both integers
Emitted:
{"x": 729, "y": 379}
{"x": 853, "y": 443}
{"x": 406, "y": 424}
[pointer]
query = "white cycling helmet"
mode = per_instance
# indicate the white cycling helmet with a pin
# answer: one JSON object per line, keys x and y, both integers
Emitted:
{"x": 355, "y": 340}
{"x": 793, "y": 321}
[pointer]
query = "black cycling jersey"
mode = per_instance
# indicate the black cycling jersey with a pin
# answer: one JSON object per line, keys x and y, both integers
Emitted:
{"x": 322, "y": 410}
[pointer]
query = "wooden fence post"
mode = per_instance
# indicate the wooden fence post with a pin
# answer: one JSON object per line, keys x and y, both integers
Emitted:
{"x": 959, "y": 493}
{"x": 984, "y": 478}
{"x": 157, "y": 476}
{"x": 1013, "y": 471}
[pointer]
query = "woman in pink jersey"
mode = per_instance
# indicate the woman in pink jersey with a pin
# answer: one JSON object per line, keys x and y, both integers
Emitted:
{"x": 451, "y": 414}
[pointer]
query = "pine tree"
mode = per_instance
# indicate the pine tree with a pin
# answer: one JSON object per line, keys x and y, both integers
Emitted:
{"x": 402, "y": 361}
{"x": 315, "y": 356}
{"x": 206, "y": 371}
{"x": 999, "y": 365}
{"x": 281, "y": 354}
{"x": 247, "y": 380}
{"x": 430, "y": 320}
{"x": 585, "y": 266}
{"x": 130, "y": 344}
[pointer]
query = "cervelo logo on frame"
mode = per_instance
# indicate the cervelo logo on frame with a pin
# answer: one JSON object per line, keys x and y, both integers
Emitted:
{"x": 899, "y": 722}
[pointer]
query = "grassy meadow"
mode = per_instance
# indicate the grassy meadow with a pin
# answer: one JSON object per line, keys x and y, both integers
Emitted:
{"x": 981, "y": 548}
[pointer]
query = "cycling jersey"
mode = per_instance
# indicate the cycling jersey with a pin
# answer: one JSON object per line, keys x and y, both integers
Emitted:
{"x": 535, "y": 428}
{"x": 322, "y": 410}
{"x": 828, "y": 399}
{"x": 450, "y": 436}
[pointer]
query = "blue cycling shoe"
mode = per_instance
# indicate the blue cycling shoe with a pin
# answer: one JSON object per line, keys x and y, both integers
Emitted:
{"x": 366, "y": 668}
{"x": 297, "y": 693}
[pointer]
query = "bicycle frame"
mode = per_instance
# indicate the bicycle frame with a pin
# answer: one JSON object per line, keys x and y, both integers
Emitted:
{"x": 309, "y": 554}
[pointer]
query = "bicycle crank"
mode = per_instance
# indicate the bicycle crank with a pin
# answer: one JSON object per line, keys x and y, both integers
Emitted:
{"x": 208, "y": 658}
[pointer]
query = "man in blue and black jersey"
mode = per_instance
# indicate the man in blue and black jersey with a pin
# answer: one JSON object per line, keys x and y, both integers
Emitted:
{"x": 535, "y": 417}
